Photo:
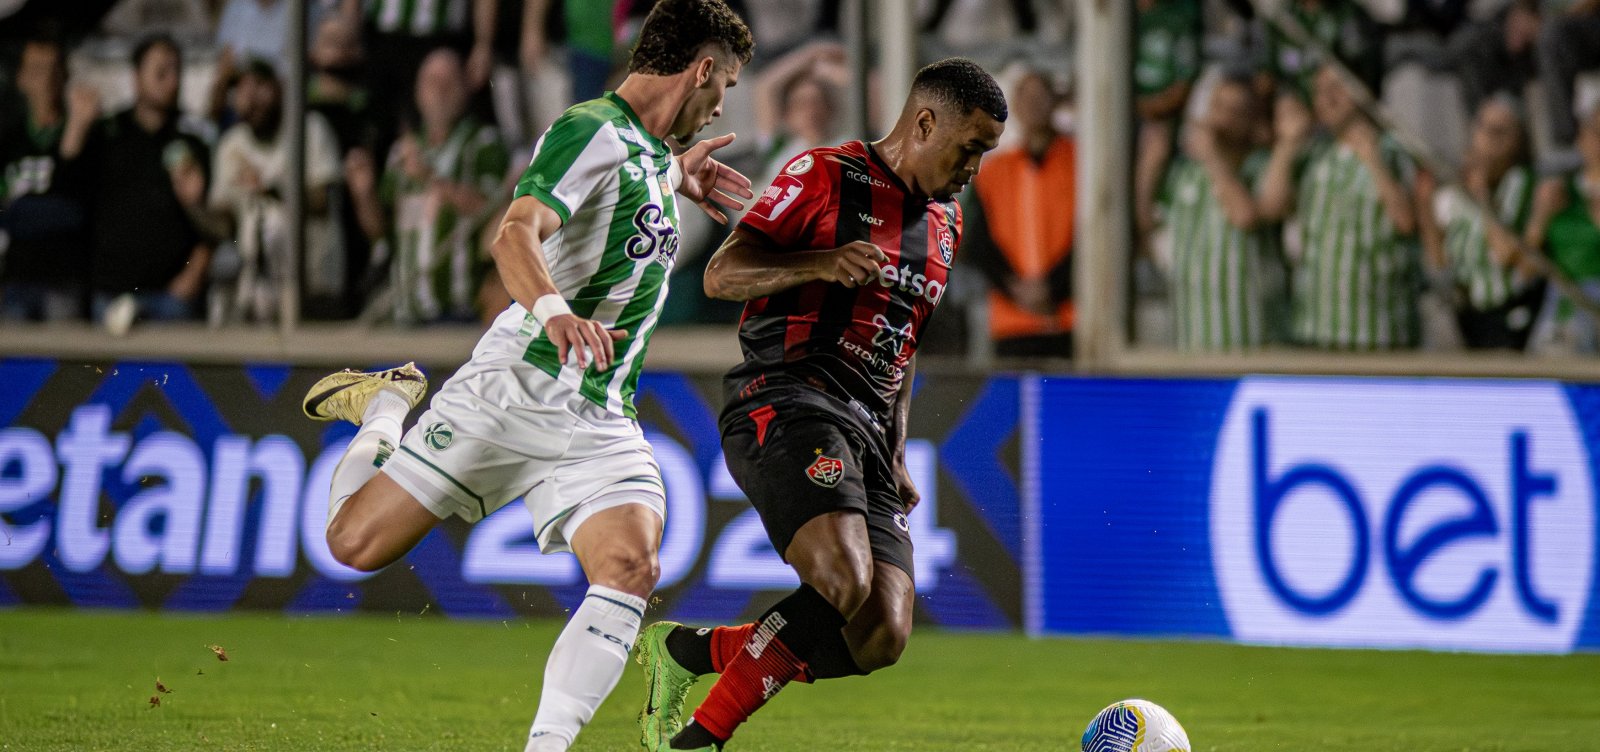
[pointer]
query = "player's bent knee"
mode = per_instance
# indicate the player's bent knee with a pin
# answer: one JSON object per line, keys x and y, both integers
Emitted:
{"x": 846, "y": 586}
{"x": 627, "y": 569}
{"x": 354, "y": 549}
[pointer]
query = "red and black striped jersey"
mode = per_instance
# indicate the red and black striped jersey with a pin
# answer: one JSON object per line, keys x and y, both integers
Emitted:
{"x": 860, "y": 339}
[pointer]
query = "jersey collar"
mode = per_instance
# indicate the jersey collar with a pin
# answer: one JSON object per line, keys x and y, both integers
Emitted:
{"x": 638, "y": 125}
{"x": 872, "y": 154}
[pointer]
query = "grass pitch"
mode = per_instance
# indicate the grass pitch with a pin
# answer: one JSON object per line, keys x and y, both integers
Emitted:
{"x": 80, "y": 680}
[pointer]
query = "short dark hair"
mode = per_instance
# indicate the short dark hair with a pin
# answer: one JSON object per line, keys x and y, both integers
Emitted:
{"x": 149, "y": 43}
{"x": 962, "y": 84}
{"x": 675, "y": 31}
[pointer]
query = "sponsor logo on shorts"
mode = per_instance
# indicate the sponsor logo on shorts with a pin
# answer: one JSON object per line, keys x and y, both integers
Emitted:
{"x": 438, "y": 436}
{"x": 826, "y": 471}
{"x": 901, "y": 522}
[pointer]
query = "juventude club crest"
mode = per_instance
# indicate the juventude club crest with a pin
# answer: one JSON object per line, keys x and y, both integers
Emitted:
{"x": 826, "y": 471}
{"x": 438, "y": 436}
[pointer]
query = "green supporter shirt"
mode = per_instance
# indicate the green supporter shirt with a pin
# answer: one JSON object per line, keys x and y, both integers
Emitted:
{"x": 1223, "y": 277}
{"x": 612, "y": 183}
{"x": 1486, "y": 283}
{"x": 438, "y": 262}
{"x": 1168, "y": 46}
{"x": 589, "y": 26}
{"x": 1357, "y": 279}
{"x": 1574, "y": 236}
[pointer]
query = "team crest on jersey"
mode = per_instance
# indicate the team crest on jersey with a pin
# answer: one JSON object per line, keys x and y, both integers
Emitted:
{"x": 655, "y": 236}
{"x": 634, "y": 171}
{"x": 826, "y": 471}
{"x": 438, "y": 436}
{"x": 800, "y": 166}
{"x": 947, "y": 245}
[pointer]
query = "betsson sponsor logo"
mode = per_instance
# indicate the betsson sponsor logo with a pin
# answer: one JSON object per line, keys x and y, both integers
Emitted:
{"x": 1443, "y": 515}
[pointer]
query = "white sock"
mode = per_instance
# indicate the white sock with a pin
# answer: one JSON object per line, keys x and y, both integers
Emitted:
{"x": 584, "y": 666}
{"x": 377, "y": 439}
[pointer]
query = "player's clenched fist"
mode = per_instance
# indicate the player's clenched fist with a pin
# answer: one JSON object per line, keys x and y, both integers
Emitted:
{"x": 585, "y": 340}
{"x": 852, "y": 265}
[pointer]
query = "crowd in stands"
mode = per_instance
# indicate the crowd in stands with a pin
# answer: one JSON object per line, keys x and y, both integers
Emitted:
{"x": 1283, "y": 210}
{"x": 1272, "y": 209}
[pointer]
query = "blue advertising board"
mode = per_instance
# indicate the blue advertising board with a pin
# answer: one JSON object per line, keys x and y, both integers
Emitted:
{"x": 1394, "y": 513}
{"x": 172, "y": 486}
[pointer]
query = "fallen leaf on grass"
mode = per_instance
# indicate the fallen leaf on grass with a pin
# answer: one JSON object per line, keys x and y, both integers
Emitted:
{"x": 222, "y": 655}
{"x": 162, "y": 688}
{"x": 155, "y": 701}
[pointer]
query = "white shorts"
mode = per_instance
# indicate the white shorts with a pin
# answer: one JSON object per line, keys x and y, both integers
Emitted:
{"x": 501, "y": 428}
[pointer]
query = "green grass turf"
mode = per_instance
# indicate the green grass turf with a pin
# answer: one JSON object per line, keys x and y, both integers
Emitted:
{"x": 82, "y": 680}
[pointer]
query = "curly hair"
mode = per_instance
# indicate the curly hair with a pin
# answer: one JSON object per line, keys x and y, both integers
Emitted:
{"x": 675, "y": 31}
{"x": 962, "y": 84}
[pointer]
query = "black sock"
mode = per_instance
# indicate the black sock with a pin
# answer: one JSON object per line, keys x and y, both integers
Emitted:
{"x": 831, "y": 659}
{"x": 695, "y": 736}
{"x": 809, "y": 621}
{"x": 691, "y": 648}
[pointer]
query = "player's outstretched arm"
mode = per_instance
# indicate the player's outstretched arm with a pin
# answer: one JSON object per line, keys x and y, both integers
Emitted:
{"x": 519, "y": 255}
{"x": 748, "y": 266}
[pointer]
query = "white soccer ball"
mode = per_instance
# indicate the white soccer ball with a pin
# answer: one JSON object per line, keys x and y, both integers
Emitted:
{"x": 1135, "y": 726}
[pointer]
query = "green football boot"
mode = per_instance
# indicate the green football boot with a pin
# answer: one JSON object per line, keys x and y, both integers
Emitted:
{"x": 666, "y": 686}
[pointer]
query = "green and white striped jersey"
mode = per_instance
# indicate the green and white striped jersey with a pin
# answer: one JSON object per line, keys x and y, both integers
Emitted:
{"x": 1488, "y": 285}
{"x": 1222, "y": 276}
{"x": 419, "y": 18}
{"x": 1357, "y": 279}
{"x": 612, "y": 184}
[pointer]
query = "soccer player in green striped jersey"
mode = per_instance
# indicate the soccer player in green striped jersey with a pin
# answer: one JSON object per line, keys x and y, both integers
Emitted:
{"x": 1496, "y": 302}
{"x": 1358, "y": 273}
{"x": 1225, "y": 259}
{"x": 544, "y": 409}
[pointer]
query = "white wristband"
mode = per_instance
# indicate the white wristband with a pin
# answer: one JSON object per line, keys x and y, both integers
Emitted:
{"x": 675, "y": 173}
{"x": 548, "y": 307}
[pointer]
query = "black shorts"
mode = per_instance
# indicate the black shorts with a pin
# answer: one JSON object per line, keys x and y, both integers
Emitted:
{"x": 799, "y": 453}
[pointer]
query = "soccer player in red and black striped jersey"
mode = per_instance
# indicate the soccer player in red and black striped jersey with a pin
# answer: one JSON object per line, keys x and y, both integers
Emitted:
{"x": 842, "y": 262}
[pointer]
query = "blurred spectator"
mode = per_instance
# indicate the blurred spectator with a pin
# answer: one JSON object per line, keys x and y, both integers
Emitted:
{"x": 248, "y": 30}
{"x": 334, "y": 88}
{"x": 1019, "y": 229}
{"x": 248, "y": 187}
{"x": 42, "y": 221}
{"x": 1495, "y": 308}
{"x": 797, "y": 103}
{"x": 187, "y": 21}
{"x": 529, "y": 91}
{"x": 1356, "y": 277}
{"x": 1166, "y": 64}
{"x": 1566, "y": 221}
{"x": 440, "y": 185}
{"x": 1569, "y": 44}
{"x": 1496, "y": 54}
{"x": 1226, "y": 259}
{"x": 401, "y": 33}
{"x": 1341, "y": 26}
{"x": 146, "y": 175}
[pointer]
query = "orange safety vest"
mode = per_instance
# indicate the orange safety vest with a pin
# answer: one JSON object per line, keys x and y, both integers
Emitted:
{"x": 1029, "y": 208}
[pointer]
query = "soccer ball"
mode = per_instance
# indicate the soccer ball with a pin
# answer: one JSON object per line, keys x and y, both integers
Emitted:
{"x": 1135, "y": 726}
